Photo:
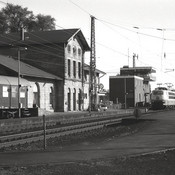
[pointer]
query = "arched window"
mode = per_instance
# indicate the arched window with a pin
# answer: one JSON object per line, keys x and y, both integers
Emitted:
{"x": 69, "y": 99}
{"x": 79, "y": 99}
{"x": 74, "y": 99}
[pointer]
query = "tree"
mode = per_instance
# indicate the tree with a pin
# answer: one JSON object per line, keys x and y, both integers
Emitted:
{"x": 45, "y": 22}
{"x": 13, "y": 17}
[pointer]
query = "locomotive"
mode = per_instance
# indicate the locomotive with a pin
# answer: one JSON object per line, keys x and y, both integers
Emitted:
{"x": 162, "y": 98}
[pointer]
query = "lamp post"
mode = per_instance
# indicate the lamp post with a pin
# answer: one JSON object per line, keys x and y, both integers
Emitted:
{"x": 19, "y": 70}
{"x": 19, "y": 85}
{"x": 19, "y": 79}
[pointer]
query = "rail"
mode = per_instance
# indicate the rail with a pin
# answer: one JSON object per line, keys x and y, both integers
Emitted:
{"x": 22, "y": 138}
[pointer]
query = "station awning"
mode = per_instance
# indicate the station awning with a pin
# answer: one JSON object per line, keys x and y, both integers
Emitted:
{"x": 6, "y": 80}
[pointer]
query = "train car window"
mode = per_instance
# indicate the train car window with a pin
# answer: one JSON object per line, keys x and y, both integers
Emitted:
{"x": 171, "y": 97}
{"x": 22, "y": 94}
{"x": 5, "y": 91}
{"x": 171, "y": 93}
{"x": 14, "y": 91}
{"x": 157, "y": 92}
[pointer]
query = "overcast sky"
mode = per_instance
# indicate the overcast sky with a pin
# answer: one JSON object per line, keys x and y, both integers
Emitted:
{"x": 123, "y": 27}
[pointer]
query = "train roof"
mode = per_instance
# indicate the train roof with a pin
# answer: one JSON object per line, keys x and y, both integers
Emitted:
{"x": 164, "y": 88}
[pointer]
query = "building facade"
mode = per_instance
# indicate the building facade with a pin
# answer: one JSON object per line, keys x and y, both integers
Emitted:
{"x": 63, "y": 84}
{"x": 131, "y": 86}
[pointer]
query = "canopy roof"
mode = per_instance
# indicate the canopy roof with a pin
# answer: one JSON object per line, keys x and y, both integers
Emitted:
{"x": 6, "y": 80}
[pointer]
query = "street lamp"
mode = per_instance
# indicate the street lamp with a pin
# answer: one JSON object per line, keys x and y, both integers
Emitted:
{"x": 19, "y": 75}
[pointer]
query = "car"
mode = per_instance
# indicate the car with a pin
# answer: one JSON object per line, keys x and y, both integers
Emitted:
{"x": 103, "y": 107}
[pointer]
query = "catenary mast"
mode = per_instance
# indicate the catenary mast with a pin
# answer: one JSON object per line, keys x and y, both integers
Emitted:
{"x": 92, "y": 80}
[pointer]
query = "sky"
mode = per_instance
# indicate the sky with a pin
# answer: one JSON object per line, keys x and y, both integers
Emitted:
{"x": 122, "y": 28}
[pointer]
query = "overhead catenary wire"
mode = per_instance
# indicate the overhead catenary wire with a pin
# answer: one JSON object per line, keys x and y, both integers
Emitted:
{"x": 107, "y": 46}
{"x": 2, "y": 2}
{"x": 126, "y": 28}
{"x": 136, "y": 27}
{"x": 39, "y": 61}
{"x": 138, "y": 33}
{"x": 103, "y": 21}
{"x": 50, "y": 53}
{"x": 27, "y": 45}
{"x": 58, "y": 47}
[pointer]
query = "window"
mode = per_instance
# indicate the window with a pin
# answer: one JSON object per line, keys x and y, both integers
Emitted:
{"x": 51, "y": 97}
{"x": 69, "y": 99}
{"x": 22, "y": 93}
{"x": 14, "y": 91}
{"x": 74, "y": 99}
{"x": 85, "y": 76}
{"x": 69, "y": 48}
{"x": 74, "y": 50}
{"x": 74, "y": 68}
{"x": 157, "y": 92}
{"x": 79, "y": 52}
{"x": 69, "y": 66}
{"x": 79, "y": 70}
{"x": 5, "y": 91}
{"x": 85, "y": 95}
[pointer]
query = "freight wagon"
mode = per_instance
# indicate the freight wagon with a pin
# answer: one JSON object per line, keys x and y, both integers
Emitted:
{"x": 11, "y": 101}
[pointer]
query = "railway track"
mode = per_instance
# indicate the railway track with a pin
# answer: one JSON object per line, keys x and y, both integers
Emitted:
{"x": 28, "y": 137}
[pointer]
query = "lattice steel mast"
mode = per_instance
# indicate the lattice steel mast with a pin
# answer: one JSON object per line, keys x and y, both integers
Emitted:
{"x": 92, "y": 81}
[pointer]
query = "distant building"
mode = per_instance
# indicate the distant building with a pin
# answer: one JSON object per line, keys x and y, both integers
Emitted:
{"x": 131, "y": 86}
{"x": 58, "y": 57}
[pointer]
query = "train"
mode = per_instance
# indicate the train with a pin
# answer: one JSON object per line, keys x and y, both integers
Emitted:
{"x": 9, "y": 99}
{"x": 162, "y": 98}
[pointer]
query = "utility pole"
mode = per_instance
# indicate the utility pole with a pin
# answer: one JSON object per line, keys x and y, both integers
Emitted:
{"x": 19, "y": 72}
{"x": 92, "y": 77}
{"x": 134, "y": 61}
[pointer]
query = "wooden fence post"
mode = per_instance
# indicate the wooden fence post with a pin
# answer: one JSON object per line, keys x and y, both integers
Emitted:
{"x": 44, "y": 131}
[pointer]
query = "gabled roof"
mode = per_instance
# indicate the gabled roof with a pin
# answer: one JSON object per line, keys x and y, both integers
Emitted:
{"x": 44, "y": 37}
{"x": 25, "y": 69}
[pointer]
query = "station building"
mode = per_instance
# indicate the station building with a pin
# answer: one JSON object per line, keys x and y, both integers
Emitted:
{"x": 131, "y": 86}
{"x": 53, "y": 65}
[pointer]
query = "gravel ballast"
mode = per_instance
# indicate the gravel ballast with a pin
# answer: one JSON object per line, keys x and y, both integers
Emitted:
{"x": 161, "y": 163}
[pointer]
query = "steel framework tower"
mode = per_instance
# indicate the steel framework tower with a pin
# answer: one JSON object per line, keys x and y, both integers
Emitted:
{"x": 92, "y": 80}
